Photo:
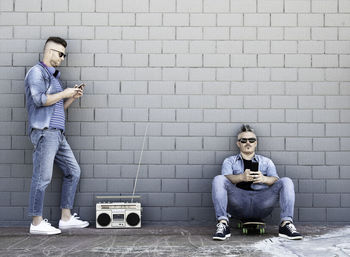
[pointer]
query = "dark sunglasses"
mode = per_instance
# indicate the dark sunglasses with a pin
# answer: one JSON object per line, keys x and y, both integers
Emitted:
{"x": 60, "y": 54}
{"x": 244, "y": 140}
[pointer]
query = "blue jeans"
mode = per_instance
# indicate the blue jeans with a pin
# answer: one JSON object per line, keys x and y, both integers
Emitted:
{"x": 243, "y": 204}
{"x": 51, "y": 146}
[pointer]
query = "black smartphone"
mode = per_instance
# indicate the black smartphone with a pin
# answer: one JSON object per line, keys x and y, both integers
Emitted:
{"x": 255, "y": 166}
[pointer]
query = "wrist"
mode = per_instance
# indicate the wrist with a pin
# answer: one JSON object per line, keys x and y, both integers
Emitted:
{"x": 241, "y": 177}
{"x": 62, "y": 95}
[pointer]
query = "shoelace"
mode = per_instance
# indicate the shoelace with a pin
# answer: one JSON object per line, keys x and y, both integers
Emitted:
{"x": 291, "y": 228}
{"x": 220, "y": 227}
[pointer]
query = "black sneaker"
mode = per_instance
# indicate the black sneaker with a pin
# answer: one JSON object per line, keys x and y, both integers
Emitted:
{"x": 289, "y": 231}
{"x": 222, "y": 231}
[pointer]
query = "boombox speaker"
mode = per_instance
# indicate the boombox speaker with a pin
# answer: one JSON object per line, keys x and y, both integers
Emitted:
{"x": 118, "y": 214}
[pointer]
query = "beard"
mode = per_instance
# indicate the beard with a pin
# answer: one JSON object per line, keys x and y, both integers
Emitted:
{"x": 248, "y": 149}
{"x": 54, "y": 64}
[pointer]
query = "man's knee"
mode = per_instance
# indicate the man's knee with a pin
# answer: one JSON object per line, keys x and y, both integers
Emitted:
{"x": 286, "y": 182}
{"x": 219, "y": 180}
{"x": 76, "y": 172}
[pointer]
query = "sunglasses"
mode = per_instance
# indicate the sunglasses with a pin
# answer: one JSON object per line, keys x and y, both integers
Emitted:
{"x": 244, "y": 140}
{"x": 60, "y": 54}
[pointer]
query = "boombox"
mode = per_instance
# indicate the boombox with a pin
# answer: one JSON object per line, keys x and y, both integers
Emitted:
{"x": 118, "y": 215}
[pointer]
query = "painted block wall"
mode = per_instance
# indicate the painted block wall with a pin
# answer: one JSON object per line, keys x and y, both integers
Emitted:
{"x": 194, "y": 70}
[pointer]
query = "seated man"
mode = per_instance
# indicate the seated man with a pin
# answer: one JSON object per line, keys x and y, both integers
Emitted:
{"x": 251, "y": 194}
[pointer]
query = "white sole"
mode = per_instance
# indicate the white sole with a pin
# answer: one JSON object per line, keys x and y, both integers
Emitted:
{"x": 71, "y": 227}
{"x": 222, "y": 238}
{"x": 44, "y": 233}
{"x": 291, "y": 238}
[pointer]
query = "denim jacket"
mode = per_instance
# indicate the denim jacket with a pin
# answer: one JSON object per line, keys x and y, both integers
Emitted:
{"x": 234, "y": 165}
{"x": 38, "y": 83}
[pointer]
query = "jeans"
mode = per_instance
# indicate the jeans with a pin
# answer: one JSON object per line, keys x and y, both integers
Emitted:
{"x": 244, "y": 204}
{"x": 51, "y": 146}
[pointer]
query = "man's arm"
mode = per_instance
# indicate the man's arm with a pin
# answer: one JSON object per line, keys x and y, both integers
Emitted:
{"x": 252, "y": 176}
{"x": 271, "y": 175}
{"x": 235, "y": 179}
{"x": 270, "y": 180}
{"x": 246, "y": 176}
{"x": 67, "y": 93}
{"x": 258, "y": 177}
{"x": 265, "y": 179}
{"x": 68, "y": 102}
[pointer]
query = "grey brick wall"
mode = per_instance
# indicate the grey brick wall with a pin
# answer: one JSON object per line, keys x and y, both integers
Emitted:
{"x": 194, "y": 70}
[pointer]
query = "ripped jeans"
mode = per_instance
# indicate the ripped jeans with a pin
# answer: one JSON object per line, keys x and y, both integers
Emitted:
{"x": 51, "y": 146}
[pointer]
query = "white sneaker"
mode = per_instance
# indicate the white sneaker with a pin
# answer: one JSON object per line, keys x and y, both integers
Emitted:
{"x": 44, "y": 228}
{"x": 74, "y": 222}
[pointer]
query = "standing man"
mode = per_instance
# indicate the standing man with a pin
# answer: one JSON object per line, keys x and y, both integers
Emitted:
{"x": 251, "y": 194}
{"x": 46, "y": 102}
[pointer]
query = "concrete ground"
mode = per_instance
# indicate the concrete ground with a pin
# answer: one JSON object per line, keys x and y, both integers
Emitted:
{"x": 171, "y": 240}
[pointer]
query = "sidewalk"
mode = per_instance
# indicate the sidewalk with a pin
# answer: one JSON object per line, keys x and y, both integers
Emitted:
{"x": 157, "y": 240}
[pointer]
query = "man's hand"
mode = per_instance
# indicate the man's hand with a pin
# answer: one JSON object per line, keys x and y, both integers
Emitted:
{"x": 75, "y": 93}
{"x": 258, "y": 177}
{"x": 247, "y": 176}
{"x": 72, "y": 92}
{"x": 78, "y": 94}
{"x": 253, "y": 176}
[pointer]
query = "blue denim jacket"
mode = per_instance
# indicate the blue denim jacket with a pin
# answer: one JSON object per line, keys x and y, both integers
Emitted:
{"x": 38, "y": 83}
{"x": 234, "y": 165}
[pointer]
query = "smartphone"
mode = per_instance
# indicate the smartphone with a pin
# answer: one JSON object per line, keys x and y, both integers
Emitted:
{"x": 81, "y": 86}
{"x": 255, "y": 166}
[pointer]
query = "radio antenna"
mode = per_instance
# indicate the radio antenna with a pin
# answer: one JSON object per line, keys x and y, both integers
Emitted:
{"x": 138, "y": 167}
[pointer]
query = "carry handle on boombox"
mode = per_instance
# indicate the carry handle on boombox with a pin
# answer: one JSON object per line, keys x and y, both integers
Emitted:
{"x": 118, "y": 197}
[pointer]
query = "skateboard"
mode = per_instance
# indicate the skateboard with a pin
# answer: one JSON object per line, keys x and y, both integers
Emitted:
{"x": 252, "y": 226}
